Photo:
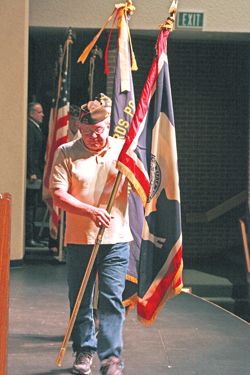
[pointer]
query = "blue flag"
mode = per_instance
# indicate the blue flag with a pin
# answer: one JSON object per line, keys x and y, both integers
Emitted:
{"x": 154, "y": 174}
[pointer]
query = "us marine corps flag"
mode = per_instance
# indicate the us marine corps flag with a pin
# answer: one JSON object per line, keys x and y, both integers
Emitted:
{"x": 155, "y": 177}
{"x": 123, "y": 108}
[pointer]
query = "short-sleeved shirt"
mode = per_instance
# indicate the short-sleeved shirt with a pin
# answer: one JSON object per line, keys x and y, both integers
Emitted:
{"x": 90, "y": 177}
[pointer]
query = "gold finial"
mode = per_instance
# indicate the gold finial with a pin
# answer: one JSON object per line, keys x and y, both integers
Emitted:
{"x": 169, "y": 23}
{"x": 130, "y": 8}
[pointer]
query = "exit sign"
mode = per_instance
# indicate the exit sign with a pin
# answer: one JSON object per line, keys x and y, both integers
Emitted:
{"x": 190, "y": 20}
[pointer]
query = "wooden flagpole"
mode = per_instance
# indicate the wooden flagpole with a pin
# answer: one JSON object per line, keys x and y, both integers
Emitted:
{"x": 61, "y": 236}
{"x": 63, "y": 54}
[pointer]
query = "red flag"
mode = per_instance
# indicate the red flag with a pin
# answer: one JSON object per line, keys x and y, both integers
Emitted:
{"x": 154, "y": 175}
{"x": 58, "y": 130}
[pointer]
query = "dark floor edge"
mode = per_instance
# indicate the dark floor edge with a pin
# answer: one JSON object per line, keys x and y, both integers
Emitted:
{"x": 16, "y": 263}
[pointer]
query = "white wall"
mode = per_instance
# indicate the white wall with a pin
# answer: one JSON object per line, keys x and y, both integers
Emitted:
{"x": 13, "y": 102}
{"x": 220, "y": 15}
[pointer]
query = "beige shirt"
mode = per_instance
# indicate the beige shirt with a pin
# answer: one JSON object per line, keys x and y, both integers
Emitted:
{"x": 90, "y": 177}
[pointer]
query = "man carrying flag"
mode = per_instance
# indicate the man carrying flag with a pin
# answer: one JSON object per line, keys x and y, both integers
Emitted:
{"x": 82, "y": 179}
{"x": 81, "y": 183}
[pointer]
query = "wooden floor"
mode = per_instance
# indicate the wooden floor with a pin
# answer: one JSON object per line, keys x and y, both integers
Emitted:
{"x": 190, "y": 337}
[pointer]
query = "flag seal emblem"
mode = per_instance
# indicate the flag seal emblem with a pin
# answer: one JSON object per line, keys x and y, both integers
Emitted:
{"x": 155, "y": 173}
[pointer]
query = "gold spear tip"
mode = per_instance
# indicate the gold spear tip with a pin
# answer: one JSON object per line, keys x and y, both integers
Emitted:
{"x": 169, "y": 23}
{"x": 173, "y": 7}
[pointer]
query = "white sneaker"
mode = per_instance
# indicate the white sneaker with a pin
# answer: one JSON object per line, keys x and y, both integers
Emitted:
{"x": 83, "y": 362}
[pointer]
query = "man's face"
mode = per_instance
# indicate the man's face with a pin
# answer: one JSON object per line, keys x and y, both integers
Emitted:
{"x": 95, "y": 136}
{"x": 37, "y": 113}
{"x": 73, "y": 123}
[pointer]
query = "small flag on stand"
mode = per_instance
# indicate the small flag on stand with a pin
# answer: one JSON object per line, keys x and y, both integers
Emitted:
{"x": 154, "y": 174}
{"x": 58, "y": 128}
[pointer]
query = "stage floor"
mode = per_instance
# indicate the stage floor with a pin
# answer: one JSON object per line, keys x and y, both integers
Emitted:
{"x": 190, "y": 337}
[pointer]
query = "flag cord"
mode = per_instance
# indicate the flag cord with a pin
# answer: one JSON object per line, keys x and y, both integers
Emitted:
{"x": 106, "y": 68}
{"x": 127, "y": 7}
{"x": 134, "y": 66}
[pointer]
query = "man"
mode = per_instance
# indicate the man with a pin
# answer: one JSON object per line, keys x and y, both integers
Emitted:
{"x": 82, "y": 179}
{"x": 35, "y": 165}
{"x": 73, "y": 131}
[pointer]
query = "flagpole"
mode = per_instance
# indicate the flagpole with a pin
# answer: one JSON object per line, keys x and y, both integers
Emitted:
{"x": 67, "y": 52}
{"x": 63, "y": 51}
{"x": 61, "y": 236}
{"x": 96, "y": 52}
{"x": 85, "y": 280}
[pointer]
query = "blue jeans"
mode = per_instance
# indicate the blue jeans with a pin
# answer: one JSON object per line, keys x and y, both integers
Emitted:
{"x": 111, "y": 264}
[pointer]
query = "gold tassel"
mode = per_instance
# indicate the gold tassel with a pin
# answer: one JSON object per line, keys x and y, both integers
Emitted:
{"x": 129, "y": 9}
{"x": 89, "y": 47}
{"x": 134, "y": 66}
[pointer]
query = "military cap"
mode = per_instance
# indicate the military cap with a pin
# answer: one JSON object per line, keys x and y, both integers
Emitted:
{"x": 92, "y": 113}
